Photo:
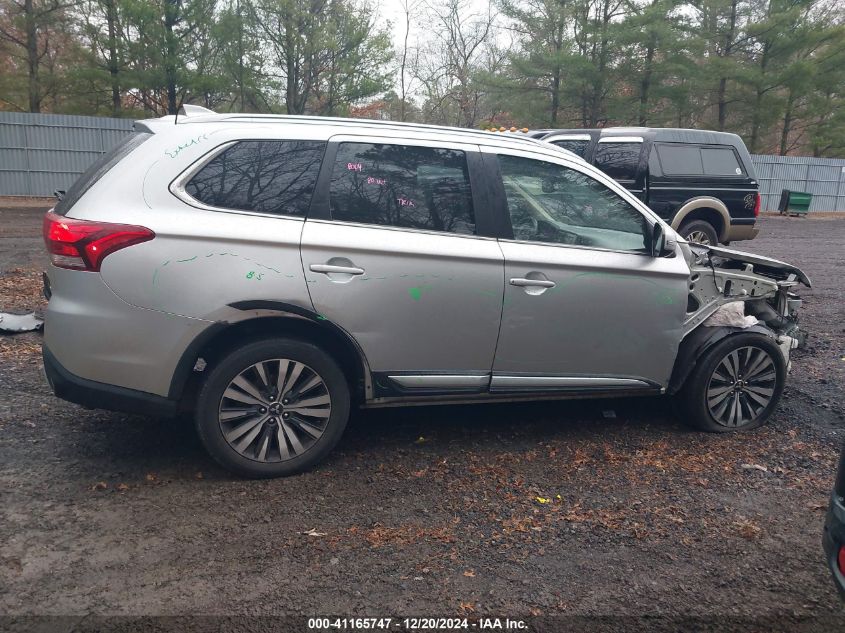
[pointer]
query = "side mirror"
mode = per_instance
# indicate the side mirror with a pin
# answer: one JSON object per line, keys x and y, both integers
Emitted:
{"x": 658, "y": 240}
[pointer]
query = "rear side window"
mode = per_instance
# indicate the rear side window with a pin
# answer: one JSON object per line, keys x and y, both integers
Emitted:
{"x": 695, "y": 160}
{"x": 618, "y": 160}
{"x": 576, "y": 147}
{"x": 720, "y": 161}
{"x": 263, "y": 176}
{"x": 680, "y": 160}
{"x": 404, "y": 186}
{"x": 99, "y": 169}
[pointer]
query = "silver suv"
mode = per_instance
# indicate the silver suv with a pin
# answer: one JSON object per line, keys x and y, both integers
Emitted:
{"x": 268, "y": 272}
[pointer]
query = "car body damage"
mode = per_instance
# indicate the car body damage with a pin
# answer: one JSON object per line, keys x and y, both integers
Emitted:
{"x": 719, "y": 276}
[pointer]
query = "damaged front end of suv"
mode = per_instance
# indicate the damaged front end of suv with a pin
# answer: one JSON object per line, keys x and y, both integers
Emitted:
{"x": 720, "y": 276}
{"x": 736, "y": 293}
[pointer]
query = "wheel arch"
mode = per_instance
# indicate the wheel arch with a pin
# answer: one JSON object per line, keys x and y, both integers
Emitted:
{"x": 696, "y": 344}
{"x": 264, "y": 318}
{"x": 705, "y": 208}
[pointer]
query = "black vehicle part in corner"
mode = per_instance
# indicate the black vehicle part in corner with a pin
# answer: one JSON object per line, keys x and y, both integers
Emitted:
{"x": 98, "y": 395}
{"x": 833, "y": 537}
{"x": 696, "y": 344}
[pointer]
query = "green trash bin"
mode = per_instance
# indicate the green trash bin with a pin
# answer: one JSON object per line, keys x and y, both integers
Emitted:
{"x": 794, "y": 202}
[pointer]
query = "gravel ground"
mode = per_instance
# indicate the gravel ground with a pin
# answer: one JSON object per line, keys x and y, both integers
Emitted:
{"x": 520, "y": 510}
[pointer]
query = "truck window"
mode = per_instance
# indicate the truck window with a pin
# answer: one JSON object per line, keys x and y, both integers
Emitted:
{"x": 618, "y": 160}
{"x": 720, "y": 161}
{"x": 680, "y": 160}
{"x": 575, "y": 146}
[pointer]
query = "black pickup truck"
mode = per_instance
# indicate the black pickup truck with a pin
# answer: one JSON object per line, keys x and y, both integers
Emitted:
{"x": 701, "y": 182}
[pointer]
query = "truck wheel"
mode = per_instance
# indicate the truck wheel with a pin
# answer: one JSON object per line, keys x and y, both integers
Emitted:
{"x": 273, "y": 407}
{"x": 735, "y": 386}
{"x": 699, "y": 232}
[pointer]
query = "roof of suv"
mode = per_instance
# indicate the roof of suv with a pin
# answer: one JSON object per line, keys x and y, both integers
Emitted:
{"x": 434, "y": 131}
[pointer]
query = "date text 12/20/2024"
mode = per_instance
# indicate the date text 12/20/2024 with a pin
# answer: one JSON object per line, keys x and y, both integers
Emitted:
{"x": 416, "y": 624}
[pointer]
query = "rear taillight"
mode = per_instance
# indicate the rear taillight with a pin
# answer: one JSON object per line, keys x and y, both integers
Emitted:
{"x": 83, "y": 244}
{"x": 841, "y": 559}
{"x": 757, "y": 202}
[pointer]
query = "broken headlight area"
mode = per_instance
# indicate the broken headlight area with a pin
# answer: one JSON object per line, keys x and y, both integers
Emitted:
{"x": 765, "y": 287}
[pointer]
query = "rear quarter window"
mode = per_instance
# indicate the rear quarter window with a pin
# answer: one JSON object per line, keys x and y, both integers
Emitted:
{"x": 276, "y": 177}
{"x": 720, "y": 161}
{"x": 99, "y": 169}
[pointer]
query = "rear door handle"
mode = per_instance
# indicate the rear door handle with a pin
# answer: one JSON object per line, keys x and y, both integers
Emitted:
{"x": 539, "y": 283}
{"x": 329, "y": 268}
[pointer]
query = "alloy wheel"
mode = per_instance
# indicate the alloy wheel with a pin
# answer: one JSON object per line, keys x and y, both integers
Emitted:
{"x": 274, "y": 410}
{"x": 698, "y": 237}
{"x": 742, "y": 386}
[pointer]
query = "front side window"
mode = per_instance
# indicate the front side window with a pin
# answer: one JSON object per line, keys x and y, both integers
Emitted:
{"x": 404, "y": 186}
{"x": 552, "y": 203}
{"x": 577, "y": 147}
{"x": 618, "y": 160}
{"x": 263, "y": 176}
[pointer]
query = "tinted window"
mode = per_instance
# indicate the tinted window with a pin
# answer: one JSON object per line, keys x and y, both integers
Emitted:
{"x": 551, "y": 203}
{"x": 618, "y": 160}
{"x": 402, "y": 185}
{"x": 263, "y": 176}
{"x": 720, "y": 161}
{"x": 680, "y": 160}
{"x": 99, "y": 169}
{"x": 576, "y": 147}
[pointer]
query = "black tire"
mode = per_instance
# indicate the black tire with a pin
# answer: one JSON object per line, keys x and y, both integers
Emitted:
{"x": 210, "y": 409}
{"x": 694, "y": 405}
{"x": 697, "y": 228}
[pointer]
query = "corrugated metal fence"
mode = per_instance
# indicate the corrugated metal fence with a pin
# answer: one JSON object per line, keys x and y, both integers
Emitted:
{"x": 40, "y": 153}
{"x": 822, "y": 177}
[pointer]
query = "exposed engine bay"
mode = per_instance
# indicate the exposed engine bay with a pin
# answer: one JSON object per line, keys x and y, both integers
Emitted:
{"x": 719, "y": 276}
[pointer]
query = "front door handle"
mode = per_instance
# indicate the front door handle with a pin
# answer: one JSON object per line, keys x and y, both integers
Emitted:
{"x": 539, "y": 283}
{"x": 329, "y": 268}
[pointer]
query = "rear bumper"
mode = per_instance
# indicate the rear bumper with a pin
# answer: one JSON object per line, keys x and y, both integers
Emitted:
{"x": 98, "y": 395}
{"x": 737, "y": 232}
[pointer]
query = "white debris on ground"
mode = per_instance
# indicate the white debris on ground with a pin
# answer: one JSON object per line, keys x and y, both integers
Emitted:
{"x": 13, "y": 323}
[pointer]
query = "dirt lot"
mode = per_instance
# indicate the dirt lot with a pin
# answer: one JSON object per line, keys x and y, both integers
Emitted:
{"x": 539, "y": 509}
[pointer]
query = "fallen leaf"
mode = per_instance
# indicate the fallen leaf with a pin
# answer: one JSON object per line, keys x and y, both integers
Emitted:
{"x": 313, "y": 532}
{"x": 198, "y": 475}
{"x": 543, "y": 500}
{"x": 467, "y": 606}
{"x": 755, "y": 467}
{"x": 122, "y": 487}
{"x": 100, "y": 485}
{"x": 469, "y": 573}
{"x": 151, "y": 477}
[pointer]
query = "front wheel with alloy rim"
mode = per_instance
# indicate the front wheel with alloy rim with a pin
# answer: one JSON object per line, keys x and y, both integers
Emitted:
{"x": 699, "y": 232}
{"x": 274, "y": 407}
{"x": 736, "y": 385}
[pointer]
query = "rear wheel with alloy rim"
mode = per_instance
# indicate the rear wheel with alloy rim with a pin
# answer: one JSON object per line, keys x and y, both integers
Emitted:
{"x": 736, "y": 385}
{"x": 272, "y": 408}
{"x": 699, "y": 232}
